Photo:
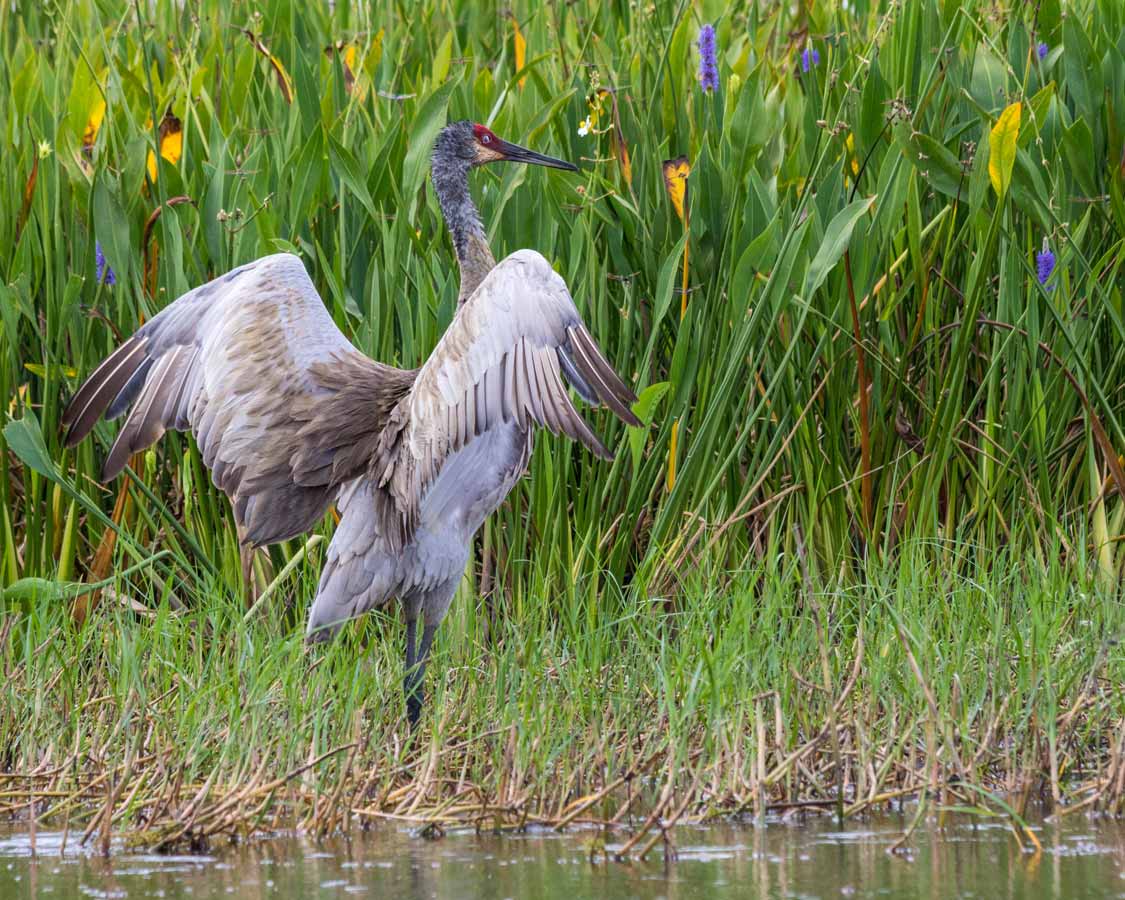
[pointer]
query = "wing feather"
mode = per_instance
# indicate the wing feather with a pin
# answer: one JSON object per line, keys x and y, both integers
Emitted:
{"x": 502, "y": 359}
{"x": 283, "y": 407}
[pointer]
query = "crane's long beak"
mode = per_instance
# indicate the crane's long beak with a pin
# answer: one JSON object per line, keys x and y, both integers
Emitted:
{"x": 516, "y": 153}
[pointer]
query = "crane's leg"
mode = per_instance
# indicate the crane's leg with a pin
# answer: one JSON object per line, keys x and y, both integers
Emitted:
{"x": 414, "y": 685}
{"x": 408, "y": 676}
{"x": 246, "y": 559}
{"x": 432, "y": 605}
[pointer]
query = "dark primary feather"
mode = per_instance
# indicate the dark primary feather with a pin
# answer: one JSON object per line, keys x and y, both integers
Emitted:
{"x": 100, "y": 389}
{"x": 129, "y": 393}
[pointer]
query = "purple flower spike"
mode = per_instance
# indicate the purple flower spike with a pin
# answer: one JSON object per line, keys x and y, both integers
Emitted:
{"x": 104, "y": 273}
{"x": 708, "y": 67}
{"x": 1045, "y": 265}
{"x": 1042, "y": 50}
{"x": 809, "y": 57}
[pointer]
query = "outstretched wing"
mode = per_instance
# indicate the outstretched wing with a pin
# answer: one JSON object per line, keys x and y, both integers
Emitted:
{"x": 501, "y": 360}
{"x": 283, "y": 407}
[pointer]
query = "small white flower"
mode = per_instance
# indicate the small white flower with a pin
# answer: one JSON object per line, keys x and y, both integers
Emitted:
{"x": 585, "y": 126}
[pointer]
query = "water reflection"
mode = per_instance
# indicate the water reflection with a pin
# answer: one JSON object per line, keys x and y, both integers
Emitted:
{"x": 1080, "y": 859}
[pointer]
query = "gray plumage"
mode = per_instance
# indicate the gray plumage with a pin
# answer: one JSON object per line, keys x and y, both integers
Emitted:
{"x": 290, "y": 417}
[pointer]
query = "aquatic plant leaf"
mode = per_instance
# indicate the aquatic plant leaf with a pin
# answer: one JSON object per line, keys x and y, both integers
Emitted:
{"x": 670, "y": 477}
{"x": 427, "y": 123}
{"x": 644, "y": 408}
{"x": 94, "y": 122}
{"x": 1002, "y": 148}
{"x": 836, "y": 239}
{"x": 676, "y": 173}
{"x": 171, "y": 144}
{"x": 350, "y": 171}
{"x": 25, "y": 439}
{"x": 283, "y": 80}
{"x": 112, "y": 226}
{"x": 42, "y": 589}
{"x": 442, "y": 59}
{"x": 519, "y": 44}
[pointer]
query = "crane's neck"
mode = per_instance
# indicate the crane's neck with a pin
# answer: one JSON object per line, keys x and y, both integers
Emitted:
{"x": 451, "y": 184}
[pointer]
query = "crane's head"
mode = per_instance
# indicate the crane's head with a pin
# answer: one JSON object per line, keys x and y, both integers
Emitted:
{"x": 465, "y": 144}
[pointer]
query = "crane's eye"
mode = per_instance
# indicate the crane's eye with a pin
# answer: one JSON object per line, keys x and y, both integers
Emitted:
{"x": 486, "y": 138}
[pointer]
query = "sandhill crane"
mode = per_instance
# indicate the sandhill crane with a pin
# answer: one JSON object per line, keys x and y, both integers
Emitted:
{"x": 289, "y": 416}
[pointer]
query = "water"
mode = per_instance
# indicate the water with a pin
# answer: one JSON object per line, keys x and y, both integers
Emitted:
{"x": 813, "y": 859}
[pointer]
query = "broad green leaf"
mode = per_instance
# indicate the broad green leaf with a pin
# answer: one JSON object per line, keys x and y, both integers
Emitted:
{"x": 934, "y": 161}
{"x": 1002, "y": 148}
{"x": 645, "y": 407}
{"x": 836, "y": 239}
{"x": 1078, "y": 147}
{"x": 25, "y": 440}
{"x": 32, "y": 588}
{"x": 347, "y": 167}
{"x": 43, "y": 589}
{"x": 427, "y": 124}
{"x": 1083, "y": 79}
{"x": 111, "y": 226}
{"x": 666, "y": 281}
{"x": 442, "y": 59}
{"x": 1037, "y": 113}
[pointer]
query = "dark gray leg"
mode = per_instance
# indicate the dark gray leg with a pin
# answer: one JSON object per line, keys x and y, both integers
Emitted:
{"x": 246, "y": 559}
{"x": 408, "y": 669}
{"x": 414, "y": 685}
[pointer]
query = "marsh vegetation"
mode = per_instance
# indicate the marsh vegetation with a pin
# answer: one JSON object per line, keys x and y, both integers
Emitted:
{"x": 866, "y": 546}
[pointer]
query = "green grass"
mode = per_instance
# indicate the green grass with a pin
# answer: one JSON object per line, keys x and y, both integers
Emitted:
{"x": 743, "y": 700}
{"x": 965, "y": 486}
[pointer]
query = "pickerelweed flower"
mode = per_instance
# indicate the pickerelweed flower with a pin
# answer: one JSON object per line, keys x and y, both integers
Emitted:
{"x": 1042, "y": 50}
{"x": 104, "y": 272}
{"x": 809, "y": 57}
{"x": 1045, "y": 265}
{"x": 708, "y": 67}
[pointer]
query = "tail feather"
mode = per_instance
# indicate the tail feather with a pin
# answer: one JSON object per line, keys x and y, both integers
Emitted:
{"x": 359, "y": 573}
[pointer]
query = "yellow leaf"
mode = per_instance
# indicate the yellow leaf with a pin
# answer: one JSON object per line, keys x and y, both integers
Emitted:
{"x": 521, "y": 48}
{"x": 41, "y": 370}
{"x": 94, "y": 122}
{"x": 283, "y": 79}
{"x": 676, "y": 173}
{"x": 171, "y": 143}
{"x": 1002, "y": 148}
{"x": 670, "y": 480}
{"x": 375, "y": 54}
{"x": 354, "y": 64}
{"x": 19, "y": 398}
{"x": 850, "y": 145}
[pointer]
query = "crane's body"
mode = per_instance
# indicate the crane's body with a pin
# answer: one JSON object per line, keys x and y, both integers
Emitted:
{"x": 289, "y": 416}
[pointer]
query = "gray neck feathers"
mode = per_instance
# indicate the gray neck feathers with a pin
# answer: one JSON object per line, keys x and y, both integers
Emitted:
{"x": 450, "y": 173}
